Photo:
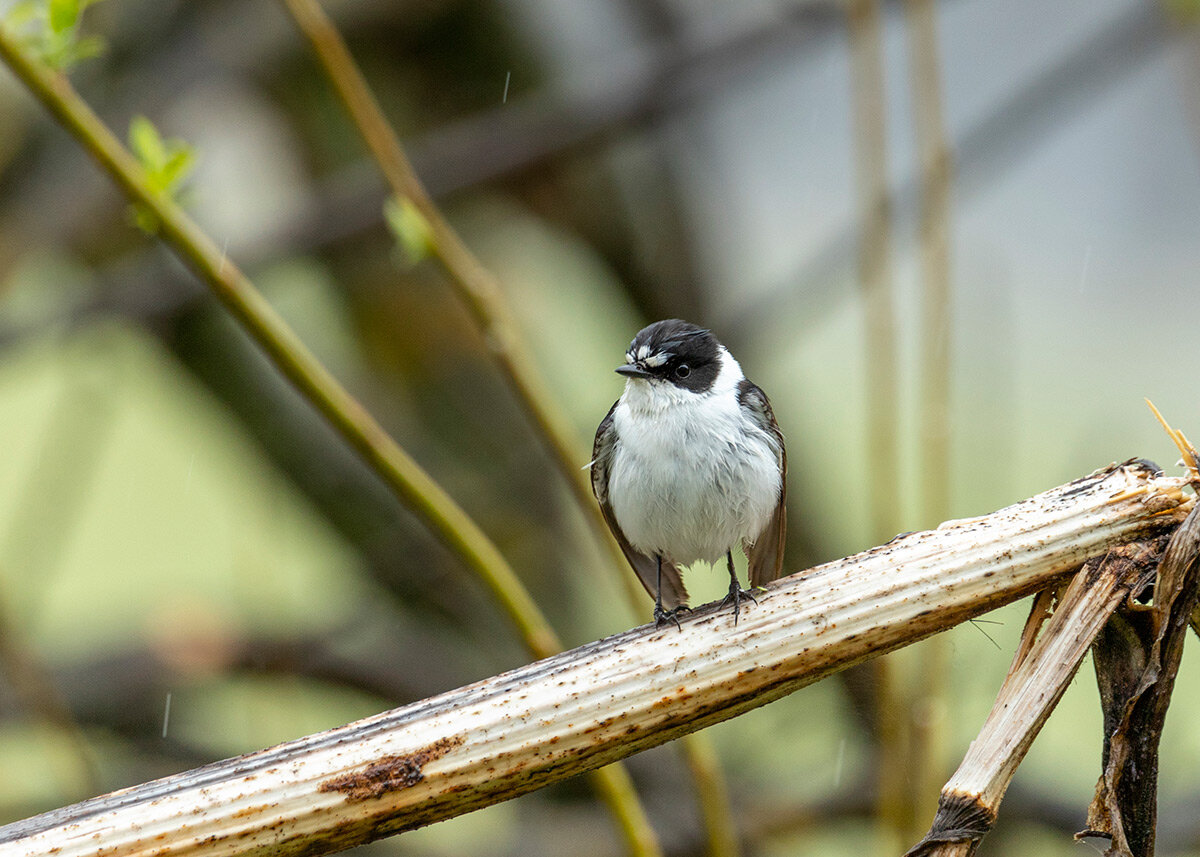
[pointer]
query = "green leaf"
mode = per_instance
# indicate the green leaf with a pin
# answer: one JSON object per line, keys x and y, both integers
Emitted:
{"x": 166, "y": 164}
{"x": 50, "y": 29}
{"x": 410, "y": 229}
{"x": 147, "y": 144}
{"x": 180, "y": 163}
{"x": 64, "y": 15}
{"x": 56, "y": 49}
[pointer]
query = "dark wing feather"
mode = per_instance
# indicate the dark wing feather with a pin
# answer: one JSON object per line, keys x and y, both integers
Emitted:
{"x": 673, "y": 592}
{"x": 766, "y": 554}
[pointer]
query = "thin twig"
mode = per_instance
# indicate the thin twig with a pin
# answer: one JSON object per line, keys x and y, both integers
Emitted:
{"x": 1191, "y": 460}
{"x": 474, "y": 284}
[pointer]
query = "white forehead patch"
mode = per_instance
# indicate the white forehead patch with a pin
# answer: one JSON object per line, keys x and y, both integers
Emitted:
{"x": 647, "y": 357}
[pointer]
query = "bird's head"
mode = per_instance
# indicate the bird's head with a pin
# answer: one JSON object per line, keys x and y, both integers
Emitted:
{"x": 673, "y": 352}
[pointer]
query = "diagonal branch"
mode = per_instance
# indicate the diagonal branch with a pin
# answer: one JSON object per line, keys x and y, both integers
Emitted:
{"x": 574, "y": 712}
{"x": 414, "y": 487}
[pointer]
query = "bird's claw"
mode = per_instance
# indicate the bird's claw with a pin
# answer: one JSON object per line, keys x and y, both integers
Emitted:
{"x": 735, "y": 596}
{"x": 662, "y": 617}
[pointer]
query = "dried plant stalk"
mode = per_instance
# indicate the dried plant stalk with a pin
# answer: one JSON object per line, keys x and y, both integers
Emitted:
{"x": 1042, "y": 669}
{"x": 581, "y": 709}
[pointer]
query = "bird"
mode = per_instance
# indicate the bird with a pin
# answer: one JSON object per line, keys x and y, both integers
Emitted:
{"x": 689, "y": 463}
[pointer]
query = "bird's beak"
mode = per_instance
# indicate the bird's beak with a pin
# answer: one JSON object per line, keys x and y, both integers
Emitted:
{"x": 632, "y": 370}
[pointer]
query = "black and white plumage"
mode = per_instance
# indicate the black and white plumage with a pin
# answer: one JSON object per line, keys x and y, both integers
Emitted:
{"x": 689, "y": 463}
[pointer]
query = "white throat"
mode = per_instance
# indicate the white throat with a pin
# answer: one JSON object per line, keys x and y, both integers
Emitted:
{"x": 692, "y": 475}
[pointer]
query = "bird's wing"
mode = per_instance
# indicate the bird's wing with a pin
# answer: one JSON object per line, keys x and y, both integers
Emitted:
{"x": 673, "y": 592}
{"x": 766, "y": 554}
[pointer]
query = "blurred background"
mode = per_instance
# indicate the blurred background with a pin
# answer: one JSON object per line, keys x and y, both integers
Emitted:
{"x": 956, "y": 242}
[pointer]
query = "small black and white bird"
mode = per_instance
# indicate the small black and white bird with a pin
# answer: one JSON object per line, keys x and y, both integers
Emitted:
{"x": 689, "y": 463}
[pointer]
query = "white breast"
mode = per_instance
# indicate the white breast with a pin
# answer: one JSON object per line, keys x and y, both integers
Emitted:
{"x": 691, "y": 475}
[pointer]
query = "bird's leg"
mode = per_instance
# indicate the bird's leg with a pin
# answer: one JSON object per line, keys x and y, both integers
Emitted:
{"x": 662, "y": 616}
{"x": 736, "y": 593}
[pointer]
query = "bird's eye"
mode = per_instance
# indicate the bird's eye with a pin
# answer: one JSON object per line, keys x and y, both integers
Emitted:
{"x": 682, "y": 370}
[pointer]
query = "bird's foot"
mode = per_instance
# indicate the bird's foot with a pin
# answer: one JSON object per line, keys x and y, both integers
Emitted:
{"x": 662, "y": 617}
{"x": 735, "y": 596}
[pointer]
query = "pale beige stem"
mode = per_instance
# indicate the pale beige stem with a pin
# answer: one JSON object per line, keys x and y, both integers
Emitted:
{"x": 930, "y": 706}
{"x": 865, "y": 18}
